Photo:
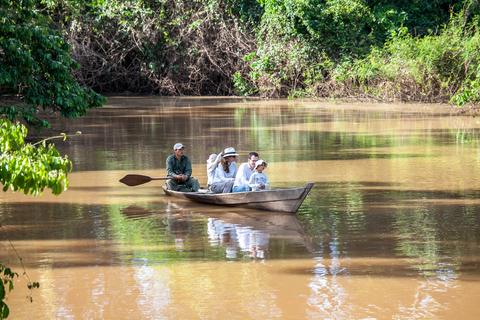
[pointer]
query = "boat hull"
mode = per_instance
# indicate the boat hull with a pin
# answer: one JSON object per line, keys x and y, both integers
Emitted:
{"x": 283, "y": 200}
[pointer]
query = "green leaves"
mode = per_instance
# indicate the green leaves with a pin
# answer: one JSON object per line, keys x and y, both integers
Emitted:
{"x": 6, "y": 285}
{"x": 36, "y": 67}
{"x": 27, "y": 167}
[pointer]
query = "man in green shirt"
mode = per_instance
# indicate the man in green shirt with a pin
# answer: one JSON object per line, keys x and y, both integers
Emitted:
{"x": 179, "y": 169}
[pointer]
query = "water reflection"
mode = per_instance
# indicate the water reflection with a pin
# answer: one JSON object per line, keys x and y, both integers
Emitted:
{"x": 391, "y": 229}
{"x": 183, "y": 229}
{"x": 282, "y": 131}
{"x": 250, "y": 242}
{"x": 328, "y": 297}
{"x": 155, "y": 293}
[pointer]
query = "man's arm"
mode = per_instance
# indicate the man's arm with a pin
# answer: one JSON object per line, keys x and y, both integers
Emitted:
{"x": 170, "y": 164}
{"x": 188, "y": 168}
{"x": 238, "y": 176}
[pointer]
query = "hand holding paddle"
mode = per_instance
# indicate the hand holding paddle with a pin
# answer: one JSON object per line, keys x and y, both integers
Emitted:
{"x": 138, "y": 179}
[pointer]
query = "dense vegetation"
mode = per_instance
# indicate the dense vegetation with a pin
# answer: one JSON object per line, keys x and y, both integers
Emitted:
{"x": 36, "y": 75}
{"x": 53, "y": 51}
{"x": 36, "y": 67}
{"x": 378, "y": 49}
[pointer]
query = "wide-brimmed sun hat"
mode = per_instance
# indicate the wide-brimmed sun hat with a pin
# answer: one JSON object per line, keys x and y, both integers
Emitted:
{"x": 229, "y": 152}
{"x": 178, "y": 146}
{"x": 260, "y": 163}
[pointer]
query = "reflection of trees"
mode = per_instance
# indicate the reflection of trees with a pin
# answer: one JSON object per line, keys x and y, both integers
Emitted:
{"x": 137, "y": 133}
{"x": 465, "y": 136}
{"x": 155, "y": 238}
{"x": 151, "y": 235}
{"x": 425, "y": 304}
{"x": 327, "y": 298}
{"x": 437, "y": 239}
{"x": 417, "y": 238}
{"x": 334, "y": 211}
{"x": 330, "y": 221}
{"x": 155, "y": 292}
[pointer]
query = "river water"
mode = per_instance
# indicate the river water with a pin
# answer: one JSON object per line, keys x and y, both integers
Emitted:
{"x": 391, "y": 229}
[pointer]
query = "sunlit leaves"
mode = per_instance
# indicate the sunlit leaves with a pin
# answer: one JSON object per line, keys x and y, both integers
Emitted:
{"x": 27, "y": 167}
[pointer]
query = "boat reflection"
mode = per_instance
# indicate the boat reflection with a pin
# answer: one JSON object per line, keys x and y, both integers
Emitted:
{"x": 209, "y": 231}
{"x": 236, "y": 237}
{"x": 332, "y": 282}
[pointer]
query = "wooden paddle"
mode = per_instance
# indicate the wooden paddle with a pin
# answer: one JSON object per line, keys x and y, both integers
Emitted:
{"x": 138, "y": 179}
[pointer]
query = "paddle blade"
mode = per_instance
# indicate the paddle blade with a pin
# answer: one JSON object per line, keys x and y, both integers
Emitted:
{"x": 135, "y": 179}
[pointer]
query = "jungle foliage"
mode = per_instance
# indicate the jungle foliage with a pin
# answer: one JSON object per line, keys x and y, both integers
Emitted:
{"x": 36, "y": 75}
{"x": 275, "y": 48}
{"x": 7, "y": 277}
{"x": 30, "y": 167}
{"x": 36, "y": 80}
{"x": 327, "y": 48}
{"x": 433, "y": 68}
{"x": 36, "y": 67}
{"x": 158, "y": 46}
{"x": 6, "y": 285}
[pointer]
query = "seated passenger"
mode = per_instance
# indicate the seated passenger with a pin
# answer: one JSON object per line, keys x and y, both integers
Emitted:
{"x": 225, "y": 172}
{"x": 258, "y": 180}
{"x": 244, "y": 172}
{"x": 179, "y": 170}
{"x": 212, "y": 163}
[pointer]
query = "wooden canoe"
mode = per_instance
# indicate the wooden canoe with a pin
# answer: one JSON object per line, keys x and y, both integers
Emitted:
{"x": 284, "y": 200}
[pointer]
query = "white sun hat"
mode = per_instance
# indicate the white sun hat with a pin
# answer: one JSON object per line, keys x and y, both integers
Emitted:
{"x": 229, "y": 152}
{"x": 260, "y": 163}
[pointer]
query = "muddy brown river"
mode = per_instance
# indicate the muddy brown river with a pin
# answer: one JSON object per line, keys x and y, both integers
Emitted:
{"x": 391, "y": 229}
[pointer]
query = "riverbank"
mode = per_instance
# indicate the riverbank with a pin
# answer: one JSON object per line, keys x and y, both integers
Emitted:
{"x": 336, "y": 49}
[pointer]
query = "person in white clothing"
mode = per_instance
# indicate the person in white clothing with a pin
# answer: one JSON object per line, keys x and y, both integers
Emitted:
{"x": 244, "y": 172}
{"x": 212, "y": 163}
{"x": 225, "y": 172}
{"x": 259, "y": 181}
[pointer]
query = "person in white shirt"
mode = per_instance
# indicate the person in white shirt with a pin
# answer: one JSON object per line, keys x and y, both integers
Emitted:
{"x": 212, "y": 163}
{"x": 259, "y": 181}
{"x": 244, "y": 172}
{"x": 225, "y": 172}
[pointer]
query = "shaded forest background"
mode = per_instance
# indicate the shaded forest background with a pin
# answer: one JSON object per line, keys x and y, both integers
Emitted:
{"x": 57, "y": 55}
{"x": 418, "y": 50}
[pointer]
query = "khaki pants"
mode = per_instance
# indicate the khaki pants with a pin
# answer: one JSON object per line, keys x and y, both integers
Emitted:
{"x": 191, "y": 185}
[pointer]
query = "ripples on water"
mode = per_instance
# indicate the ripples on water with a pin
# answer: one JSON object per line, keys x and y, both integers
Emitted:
{"x": 391, "y": 229}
